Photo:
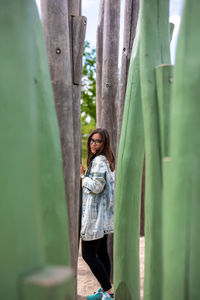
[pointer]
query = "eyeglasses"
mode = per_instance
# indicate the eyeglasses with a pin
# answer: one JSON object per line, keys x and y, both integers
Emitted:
{"x": 96, "y": 142}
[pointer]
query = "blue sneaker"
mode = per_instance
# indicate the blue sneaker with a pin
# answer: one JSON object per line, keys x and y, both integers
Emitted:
{"x": 107, "y": 296}
{"x": 96, "y": 296}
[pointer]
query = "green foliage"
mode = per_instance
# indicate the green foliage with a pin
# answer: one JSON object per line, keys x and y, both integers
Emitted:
{"x": 88, "y": 94}
{"x": 88, "y": 97}
{"x": 84, "y": 151}
{"x": 87, "y": 127}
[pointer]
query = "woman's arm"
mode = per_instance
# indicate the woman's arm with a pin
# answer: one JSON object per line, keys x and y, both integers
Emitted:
{"x": 96, "y": 182}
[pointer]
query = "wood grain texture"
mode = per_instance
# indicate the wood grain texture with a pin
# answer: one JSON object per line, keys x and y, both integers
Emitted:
{"x": 64, "y": 31}
{"x": 107, "y": 66}
{"x": 56, "y": 30}
{"x": 131, "y": 12}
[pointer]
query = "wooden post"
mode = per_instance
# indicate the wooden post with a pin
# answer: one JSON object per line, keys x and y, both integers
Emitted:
{"x": 130, "y": 21}
{"x": 107, "y": 66}
{"x": 56, "y": 31}
{"x": 181, "y": 246}
{"x": 99, "y": 62}
{"x": 164, "y": 80}
{"x": 65, "y": 32}
{"x": 128, "y": 187}
{"x": 49, "y": 283}
{"x": 34, "y": 229}
{"x": 77, "y": 30}
{"x": 154, "y": 51}
{"x": 107, "y": 73}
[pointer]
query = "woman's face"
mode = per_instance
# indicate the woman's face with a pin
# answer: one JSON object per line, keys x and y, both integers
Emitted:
{"x": 95, "y": 143}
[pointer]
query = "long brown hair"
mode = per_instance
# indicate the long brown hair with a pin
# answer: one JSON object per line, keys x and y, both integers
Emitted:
{"x": 105, "y": 150}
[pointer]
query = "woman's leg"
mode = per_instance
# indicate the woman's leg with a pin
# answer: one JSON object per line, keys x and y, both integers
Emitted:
{"x": 89, "y": 253}
{"x": 102, "y": 253}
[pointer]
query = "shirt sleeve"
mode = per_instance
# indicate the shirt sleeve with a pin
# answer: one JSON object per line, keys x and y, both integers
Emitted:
{"x": 96, "y": 182}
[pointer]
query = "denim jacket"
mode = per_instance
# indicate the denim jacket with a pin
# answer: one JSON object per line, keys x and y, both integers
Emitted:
{"x": 97, "y": 200}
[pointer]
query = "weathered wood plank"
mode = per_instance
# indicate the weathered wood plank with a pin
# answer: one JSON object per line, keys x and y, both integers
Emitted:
{"x": 78, "y": 38}
{"x": 74, "y": 11}
{"x": 64, "y": 30}
{"x": 99, "y": 62}
{"x": 131, "y": 11}
{"x": 107, "y": 73}
{"x": 108, "y": 48}
{"x": 56, "y": 30}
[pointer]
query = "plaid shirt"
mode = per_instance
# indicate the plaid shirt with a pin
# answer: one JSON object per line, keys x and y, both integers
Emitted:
{"x": 97, "y": 200}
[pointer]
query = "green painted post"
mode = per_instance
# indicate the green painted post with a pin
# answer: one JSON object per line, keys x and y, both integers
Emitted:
{"x": 154, "y": 50}
{"x": 164, "y": 80}
{"x": 181, "y": 246}
{"x": 49, "y": 283}
{"x": 33, "y": 219}
{"x": 50, "y": 171}
{"x": 171, "y": 30}
{"x": 128, "y": 188}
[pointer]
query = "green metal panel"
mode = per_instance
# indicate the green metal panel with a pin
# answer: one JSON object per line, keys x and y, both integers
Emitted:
{"x": 128, "y": 188}
{"x": 33, "y": 224}
{"x": 182, "y": 182}
{"x": 154, "y": 50}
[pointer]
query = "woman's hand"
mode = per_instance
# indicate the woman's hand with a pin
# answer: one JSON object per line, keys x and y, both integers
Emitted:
{"x": 82, "y": 170}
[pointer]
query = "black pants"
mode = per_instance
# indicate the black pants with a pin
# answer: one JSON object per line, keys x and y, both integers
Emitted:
{"x": 95, "y": 254}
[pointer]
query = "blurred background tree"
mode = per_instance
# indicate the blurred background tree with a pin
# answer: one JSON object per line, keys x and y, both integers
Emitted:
{"x": 88, "y": 97}
{"x": 88, "y": 93}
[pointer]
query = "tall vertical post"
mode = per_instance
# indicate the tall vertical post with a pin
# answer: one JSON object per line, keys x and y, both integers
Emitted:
{"x": 164, "y": 80}
{"x": 107, "y": 66}
{"x": 56, "y": 31}
{"x": 154, "y": 51}
{"x": 64, "y": 31}
{"x": 131, "y": 11}
{"x": 128, "y": 187}
{"x": 107, "y": 73}
{"x": 77, "y": 30}
{"x": 181, "y": 245}
{"x": 33, "y": 218}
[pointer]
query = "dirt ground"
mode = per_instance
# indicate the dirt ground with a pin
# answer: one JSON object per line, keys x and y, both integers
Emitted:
{"x": 87, "y": 284}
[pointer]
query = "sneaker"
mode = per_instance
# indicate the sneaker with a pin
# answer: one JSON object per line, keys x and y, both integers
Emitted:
{"x": 96, "y": 296}
{"x": 107, "y": 296}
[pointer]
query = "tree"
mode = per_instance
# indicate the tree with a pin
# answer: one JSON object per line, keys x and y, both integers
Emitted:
{"x": 88, "y": 94}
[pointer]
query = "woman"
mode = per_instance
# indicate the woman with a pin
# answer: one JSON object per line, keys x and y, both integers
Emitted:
{"x": 97, "y": 209}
